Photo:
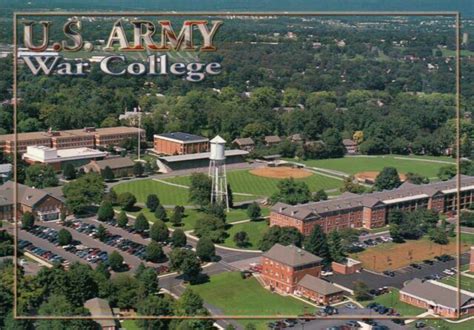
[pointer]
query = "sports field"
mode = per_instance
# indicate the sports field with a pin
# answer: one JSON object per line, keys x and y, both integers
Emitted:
{"x": 168, "y": 195}
{"x": 236, "y": 296}
{"x": 390, "y": 256}
{"x": 424, "y": 165}
{"x": 242, "y": 181}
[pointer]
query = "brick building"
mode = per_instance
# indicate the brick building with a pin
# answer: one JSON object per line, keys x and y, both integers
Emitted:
{"x": 440, "y": 300}
{"x": 43, "y": 205}
{"x": 121, "y": 166}
{"x": 371, "y": 210}
{"x": 318, "y": 290}
{"x": 471, "y": 260}
{"x": 350, "y": 146}
{"x": 179, "y": 143}
{"x": 88, "y": 137}
{"x": 284, "y": 266}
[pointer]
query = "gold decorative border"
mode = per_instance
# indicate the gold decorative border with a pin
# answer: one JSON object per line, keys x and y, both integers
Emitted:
{"x": 455, "y": 14}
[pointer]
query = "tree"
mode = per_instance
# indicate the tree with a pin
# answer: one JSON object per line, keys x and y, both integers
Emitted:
{"x": 254, "y": 212}
{"x": 154, "y": 252}
{"x": 116, "y": 261}
{"x": 282, "y": 235}
{"x": 416, "y": 178}
{"x": 336, "y": 249}
{"x": 111, "y": 196}
{"x": 106, "y": 211}
{"x": 320, "y": 195}
{"x": 217, "y": 210}
{"x": 205, "y": 249}
{"x": 178, "y": 238}
{"x": 27, "y": 220}
{"x": 387, "y": 179}
{"x": 351, "y": 185}
{"x": 186, "y": 262}
{"x": 155, "y": 306}
{"x": 64, "y": 237}
{"x": 160, "y": 213}
{"x": 317, "y": 244}
{"x": 361, "y": 291}
{"x": 177, "y": 216}
{"x": 84, "y": 192}
{"x": 138, "y": 169}
{"x": 438, "y": 235}
{"x": 69, "y": 172}
{"x": 241, "y": 239}
{"x": 41, "y": 176}
{"x": 126, "y": 200}
{"x": 446, "y": 172}
{"x": 291, "y": 192}
{"x": 200, "y": 189}
{"x": 152, "y": 202}
{"x": 210, "y": 226}
{"x": 122, "y": 219}
{"x": 159, "y": 231}
{"x": 141, "y": 223}
{"x": 190, "y": 303}
{"x": 107, "y": 174}
{"x": 101, "y": 233}
{"x": 250, "y": 326}
{"x": 230, "y": 196}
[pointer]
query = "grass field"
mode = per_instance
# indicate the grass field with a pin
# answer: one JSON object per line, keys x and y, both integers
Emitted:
{"x": 393, "y": 256}
{"x": 130, "y": 325}
{"x": 193, "y": 215}
{"x": 443, "y": 325}
{"x": 168, "y": 195}
{"x": 235, "y": 296}
{"x": 352, "y": 165}
{"x": 391, "y": 300}
{"x": 254, "y": 229}
{"x": 467, "y": 283}
{"x": 244, "y": 182}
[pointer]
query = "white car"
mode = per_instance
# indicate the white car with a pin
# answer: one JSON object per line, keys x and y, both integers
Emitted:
{"x": 449, "y": 272}
{"x": 324, "y": 273}
{"x": 23, "y": 262}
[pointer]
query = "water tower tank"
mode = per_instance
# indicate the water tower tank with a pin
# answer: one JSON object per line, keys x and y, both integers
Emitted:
{"x": 217, "y": 148}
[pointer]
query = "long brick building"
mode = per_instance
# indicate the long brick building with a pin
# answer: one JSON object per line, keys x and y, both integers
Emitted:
{"x": 179, "y": 143}
{"x": 88, "y": 137}
{"x": 371, "y": 210}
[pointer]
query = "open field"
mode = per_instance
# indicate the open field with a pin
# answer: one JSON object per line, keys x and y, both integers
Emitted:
{"x": 254, "y": 230}
{"x": 351, "y": 165}
{"x": 168, "y": 195}
{"x": 243, "y": 181}
{"x": 391, "y": 300}
{"x": 236, "y": 296}
{"x": 443, "y": 325}
{"x": 130, "y": 325}
{"x": 282, "y": 172}
{"x": 393, "y": 256}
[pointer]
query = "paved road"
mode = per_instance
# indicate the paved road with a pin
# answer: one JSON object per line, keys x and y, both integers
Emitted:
{"x": 374, "y": 280}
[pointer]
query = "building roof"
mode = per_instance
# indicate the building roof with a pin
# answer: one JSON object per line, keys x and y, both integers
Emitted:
{"x": 434, "y": 293}
{"x": 201, "y": 155}
{"x": 291, "y": 255}
{"x": 244, "y": 142}
{"x": 218, "y": 139}
{"x": 50, "y": 155}
{"x": 181, "y": 137}
{"x": 6, "y": 168}
{"x": 409, "y": 192}
{"x": 272, "y": 139}
{"x": 349, "y": 143}
{"x": 26, "y": 195}
{"x": 100, "y": 308}
{"x": 114, "y": 163}
{"x": 318, "y": 285}
{"x": 118, "y": 130}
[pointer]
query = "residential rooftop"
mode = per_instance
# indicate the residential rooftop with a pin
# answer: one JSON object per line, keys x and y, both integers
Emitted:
{"x": 318, "y": 285}
{"x": 291, "y": 255}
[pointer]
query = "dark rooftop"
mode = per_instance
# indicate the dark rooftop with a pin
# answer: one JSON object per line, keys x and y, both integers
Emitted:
{"x": 291, "y": 255}
{"x": 183, "y": 137}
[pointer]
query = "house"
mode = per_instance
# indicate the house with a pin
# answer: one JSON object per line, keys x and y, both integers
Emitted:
{"x": 371, "y": 210}
{"x": 471, "y": 260}
{"x": 284, "y": 266}
{"x": 101, "y": 312}
{"x": 179, "y": 143}
{"x": 43, "y": 205}
{"x": 438, "y": 299}
{"x": 58, "y": 158}
{"x": 296, "y": 138}
{"x": 272, "y": 140}
{"x": 121, "y": 166}
{"x": 350, "y": 145}
{"x": 318, "y": 290}
{"x": 244, "y": 143}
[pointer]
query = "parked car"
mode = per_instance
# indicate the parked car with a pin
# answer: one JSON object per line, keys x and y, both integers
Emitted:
{"x": 350, "y": 306}
{"x": 417, "y": 266}
{"x": 389, "y": 273}
{"x": 428, "y": 262}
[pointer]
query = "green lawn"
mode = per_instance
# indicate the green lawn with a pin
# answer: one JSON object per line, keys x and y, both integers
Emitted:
{"x": 443, "y": 325}
{"x": 244, "y": 182}
{"x": 352, "y": 165}
{"x": 391, "y": 300}
{"x": 467, "y": 283}
{"x": 254, "y": 229}
{"x": 168, "y": 195}
{"x": 130, "y": 325}
{"x": 192, "y": 215}
{"x": 235, "y": 296}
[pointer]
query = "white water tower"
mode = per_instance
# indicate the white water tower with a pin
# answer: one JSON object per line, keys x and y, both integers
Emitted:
{"x": 217, "y": 172}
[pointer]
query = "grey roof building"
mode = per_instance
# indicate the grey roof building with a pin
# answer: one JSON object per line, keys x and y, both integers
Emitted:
{"x": 101, "y": 308}
{"x": 182, "y": 137}
{"x": 319, "y": 285}
{"x": 291, "y": 255}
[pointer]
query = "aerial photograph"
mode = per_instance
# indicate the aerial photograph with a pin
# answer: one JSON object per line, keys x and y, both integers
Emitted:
{"x": 240, "y": 164}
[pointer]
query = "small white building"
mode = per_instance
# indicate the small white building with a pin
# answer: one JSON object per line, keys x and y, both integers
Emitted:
{"x": 58, "y": 157}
